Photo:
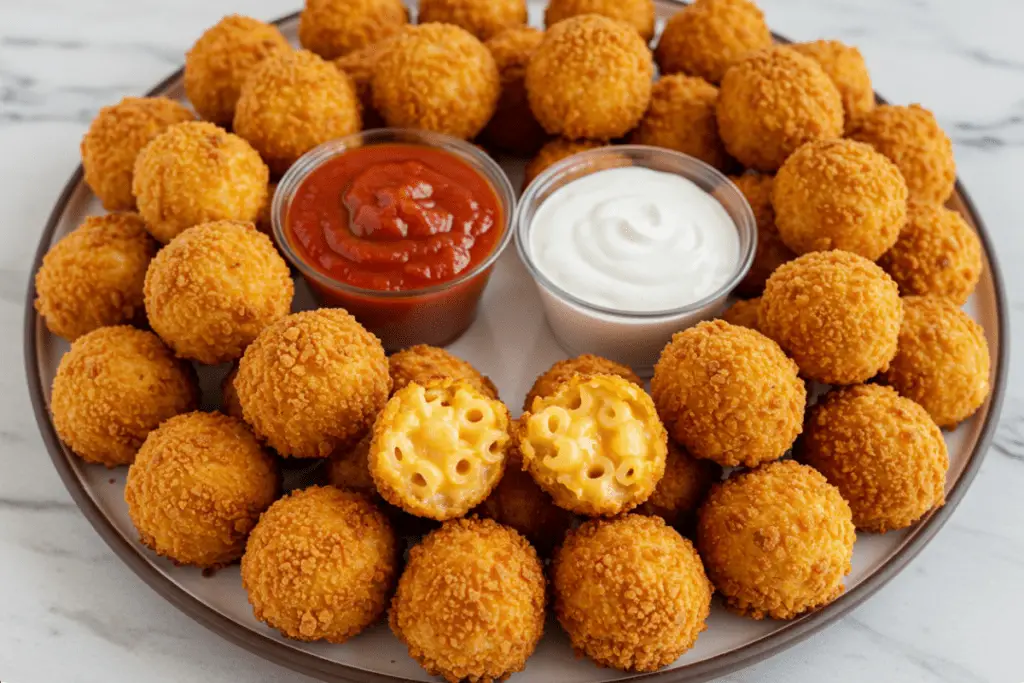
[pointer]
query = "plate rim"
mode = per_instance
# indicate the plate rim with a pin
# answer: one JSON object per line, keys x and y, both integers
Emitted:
{"x": 309, "y": 664}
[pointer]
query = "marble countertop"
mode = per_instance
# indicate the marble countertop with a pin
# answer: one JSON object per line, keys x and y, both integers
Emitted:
{"x": 73, "y": 612}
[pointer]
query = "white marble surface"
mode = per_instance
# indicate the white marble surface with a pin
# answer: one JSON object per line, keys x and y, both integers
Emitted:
{"x": 70, "y": 611}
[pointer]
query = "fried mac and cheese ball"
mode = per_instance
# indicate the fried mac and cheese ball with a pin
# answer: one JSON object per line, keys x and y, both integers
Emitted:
{"x": 513, "y": 127}
{"x": 590, "y": 78}
{"x": 313, "y": 382}
{"x": 320, "y": 564}
{"x": 845, "y": 65}
{"x": 360, "y": 66}
{"x": 483, "y": 18}
{"x": 943, "y": 360}
{"x": 214, "y": 288}
{"x": 334, "y": 28}
{"x": 705, "y": 38}
{"x": 631, "y": 592}
{"x": 912, "y": 139}
{"x": 637, "y": 13}
{"x": 437, "y": 77}
{"x": 351, "y": 469}
{"x": 470, "y": 603}
{"x": 439, "y": 450}
{"x": 423, "y": 364}
{"x": 882, "y": 451}
{"x": 229, "y": 404}
{"x": 194, "y": 173}
{"x": 292, "y": 102}
{"x": 835, "y": 313}
{"x": 222, "y": 58}
{"x": 113, "y": 388}
{"x": 587, "y": 365}
{"x": 553, "y": 152}
{"x": 115, "y": 138}
{"x": 197, "y": 487}
{"x": 771, "y": 102}
{"x": 729, "y": 394}
{"x": 93, "y": 276}
{"x": 595, "y": 445}
{"x": 937, "y": 254}
{"x": 776, "y": 540}
{"x": 684, "y": 487}
{"x": 771, "y": 252}
{"x": 743, "y": 313}
{"x": 839, "y": 194}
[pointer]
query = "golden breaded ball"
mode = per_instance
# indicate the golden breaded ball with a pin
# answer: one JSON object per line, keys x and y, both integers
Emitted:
{"x": 222, "y": 58}
{"x": 360, "y": 66}
{"x": 681, "y": 116}
{"x": 835, "y": 313}
{"x": 214, "y": 288}
{"x": 839, "y": 194}
{"x": 229, "y": 404}
{"x": 423, "y": 363}
{"x": 707, "y": 37}
{"x": 631, "y": 592}
{"x": 93, "y": 276}
{"x": 264, "y": 221}
{"x": 320, "y": 564}
{"x": 587, "y": 365}
{"x": 313, "y": 382}
{"x": 845, "y": 65}
{"x": 483, "y": 18}
{"x": 292, "y": 102}
{"x": 113, "y": 388}
{"x": 195, "y": 173}
{"x": 513, "y": 127}
{"x": 333, "y": 28}
{"x": 937, "y": 254}
{"x": 470, "y": 603}
{"x": 115, "y": 138}
{"x": 729, "y": 394}
{"x": 771, "y": 102}
{"x": 197, "y": 488}
{"x": 351, "y": 469}
{"x": 637, "y": 13}
{"x": 882, "y": 451}
{"x": 684, "y": 487}
{"x": 590, "y": 78}
{"x": 743, "y": 313}
{"x": 943, "y": 361}
{"x": 776, "y": 540}
{"x": 437, "y": 77}
{"x": 771, "y": 252}
{"x": 553, "y": 152}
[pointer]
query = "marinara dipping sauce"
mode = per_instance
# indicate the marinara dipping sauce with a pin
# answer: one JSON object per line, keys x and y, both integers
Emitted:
{"x": 401, "y": 228}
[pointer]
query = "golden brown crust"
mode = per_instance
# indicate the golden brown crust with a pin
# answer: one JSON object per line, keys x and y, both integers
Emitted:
{"x": 423, "y": 363}
{"x": 587, "y": 365}
{"x": 333, "y": 29}
{"x": 771, "y": 252}
{"x": 313, "y": 382}
{"x": 470, "y": 603}
{"x": 483, "y": 18}
{"x": 845, "y": 65}
{"x": 351, "y": 469}
{"x": 360, "y": 66}
{"x": 684, "y": 487}
{"x": 637, "y": 13}
{"x": 630, "y": 592}
{"x": 264, "y": 221}
{"x": 513, "y": 127}
{"x": 729, "y": 394}
{"x": 743, "y": 313}
{"x": 553, "y": 152}
{"x": 776, "y": 541}
{"x": 835, "y": 313}
{"x": 113, "y": 388}
{"x": 197, "y": 487}
{"x": 229, "y": 404}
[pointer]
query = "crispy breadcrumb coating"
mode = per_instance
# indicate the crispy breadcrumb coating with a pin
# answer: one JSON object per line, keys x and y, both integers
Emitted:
{"x": 320, "y": 564}
{"x": 839, "y": 194}
{"x": 292, "y": 102}
{"x": 113, "y": 388}
{"x": 313, "y": 382}
{"x": 483, "y": 18}
{"x": 423, "y": 363}
{"x": 197, "y": 487}
{"x": 264, "y": 221}
{"x": 943, "y": 361}
{"x": 845, "y": 65}
{"x": 684, "y": 487}
{"x": 912, "y": 139}
{"x": 771, "y": 102}
{"x": 771, "y": 252}
{"x": 222, "y": 58}
{"x": 587, "y": 365}
{"x": 194, "y": 173}
{"x": 743, "y": 313}
{"x": 637, "y": 13}
{"x": 729, "y": 394}
{"x": 333, "y": 29}
{"x": 776, "y": 541}
{"x": 882, "y": 451}
{"x": 513, "y": 127}
{"x": 552, "y": 153}
{"x": 351, "y": 469}
{"x": 937, "y": 254}
{"x": 229, "y": 404}
{"x": 93, "y": 276}
{"x": 631, "y": 592}
{"x": 115, "y": 138}
{"x": 835, "y": 313}
{"x": 360, "y": 66}
{"x": 590, "y": 78}
{"x": 470, "y": 603}
{"x": 681, "y": 116}
{"x": 214, "y": 288}
{"x": 707, "y": 37}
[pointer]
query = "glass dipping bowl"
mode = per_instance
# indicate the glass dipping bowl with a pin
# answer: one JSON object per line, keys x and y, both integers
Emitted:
{"x": 633, "y": 338}
{"x": 435, "y": 315}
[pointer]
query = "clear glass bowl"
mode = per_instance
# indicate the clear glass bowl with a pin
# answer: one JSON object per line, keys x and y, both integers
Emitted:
{"x": 435, "y": 315}
{"x": 635, "y": 339}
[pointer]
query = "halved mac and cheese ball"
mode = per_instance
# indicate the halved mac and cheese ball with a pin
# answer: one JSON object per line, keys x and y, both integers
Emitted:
{"x": 596, "y": 445}
{"x": 438, "y": 451}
